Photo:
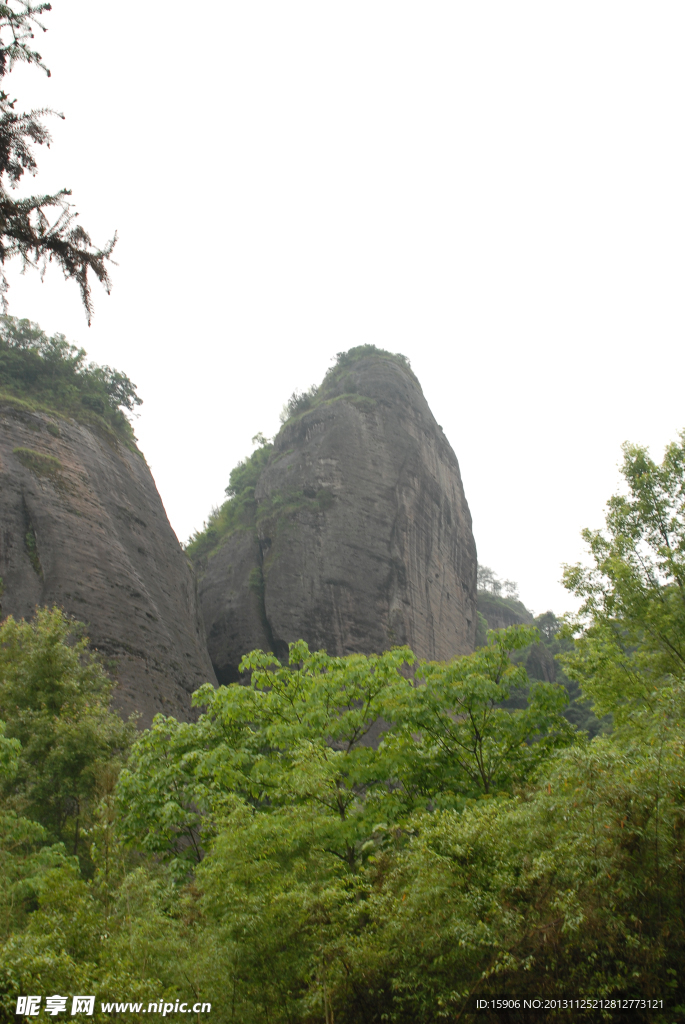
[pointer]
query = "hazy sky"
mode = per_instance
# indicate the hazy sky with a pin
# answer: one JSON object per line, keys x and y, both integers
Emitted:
{"x": 494, "y": 189}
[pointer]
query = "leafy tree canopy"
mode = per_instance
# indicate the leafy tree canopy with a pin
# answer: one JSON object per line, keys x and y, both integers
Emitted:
{"x": 630, "y": 630}
{"x": 49, "y": 372}
{"x": 54, "y": 698}
{"x": 298, "y": 735}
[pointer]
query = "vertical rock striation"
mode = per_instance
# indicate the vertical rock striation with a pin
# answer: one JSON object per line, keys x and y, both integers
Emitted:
{"x": 82, "y": 527}
{"x": 358, "y": 536}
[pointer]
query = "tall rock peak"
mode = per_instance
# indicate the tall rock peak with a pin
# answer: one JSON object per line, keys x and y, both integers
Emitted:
{"x": 351, "y": 530}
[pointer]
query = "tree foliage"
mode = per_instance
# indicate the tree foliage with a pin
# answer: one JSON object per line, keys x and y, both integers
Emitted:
{"x": 239, "y": 510}
{"x": 376, "y": 838}
{"x": 298, "y": 403}
{"x": 344, "y": 360}
{"x": 299, "y": 735}
{"x": 49, "y": 372}
{"x": 38, "y": 229}
{"x": 630, "y": 630}
{"x": 541, "y": 657}
{"x": 488, "y": 580}
{"x": 54, "y": 698}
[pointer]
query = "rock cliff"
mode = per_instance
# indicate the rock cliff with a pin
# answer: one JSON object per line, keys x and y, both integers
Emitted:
{"x": 82, "y": 527}
{"x": 501, "y": 612}
{"x": 350, "y": 531}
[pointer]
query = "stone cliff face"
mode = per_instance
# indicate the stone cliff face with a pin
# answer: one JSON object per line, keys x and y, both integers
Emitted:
{"x": 82, "y": 527}
{"x": 360, "y": 535}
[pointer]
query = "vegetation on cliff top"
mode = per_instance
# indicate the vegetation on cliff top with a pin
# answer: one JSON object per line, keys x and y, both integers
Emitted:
{"x": 50, "y": 374}
{"x": 338, "y": 382}
{"x": 238, "y": 512}
{"x": 240, "y": 509}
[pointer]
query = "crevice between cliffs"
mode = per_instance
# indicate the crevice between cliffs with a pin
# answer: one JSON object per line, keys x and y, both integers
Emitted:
{"x": 30, "y": 543}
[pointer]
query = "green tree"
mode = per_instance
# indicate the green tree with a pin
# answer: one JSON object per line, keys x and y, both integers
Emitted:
{"x": 288, "y": 790}
{"x": 24, "y": 856}
{"x": 453, "y": 736}
{"x": 542, "y": 662}
{"x": 630, "y": 630}
{"x": 294, "y": 735}
{"x": 351, "y": 738}
{"x": 39, "y": 229}
{"x": 576, "y": 885}
{"x": 100, "y": 921}
{"x": 54, "y": 700}
{"x": 49, "y": 372}
{"x": 166, "y": 796}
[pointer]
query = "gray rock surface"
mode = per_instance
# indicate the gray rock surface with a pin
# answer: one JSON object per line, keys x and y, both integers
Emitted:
{"x": 90, "y": 535}
{"x": 361, "y": 538}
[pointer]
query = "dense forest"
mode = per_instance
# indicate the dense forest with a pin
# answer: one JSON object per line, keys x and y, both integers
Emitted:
{"x": 267, "y": 860}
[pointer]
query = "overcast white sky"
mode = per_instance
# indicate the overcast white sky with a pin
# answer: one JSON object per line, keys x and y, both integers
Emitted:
{"x": 494, "y": 189}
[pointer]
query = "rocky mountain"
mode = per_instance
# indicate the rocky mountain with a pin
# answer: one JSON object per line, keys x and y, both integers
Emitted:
{"x": 82, "y": 527}
{"x": 500, "y": 612}
{"x": 350, "y": 530}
